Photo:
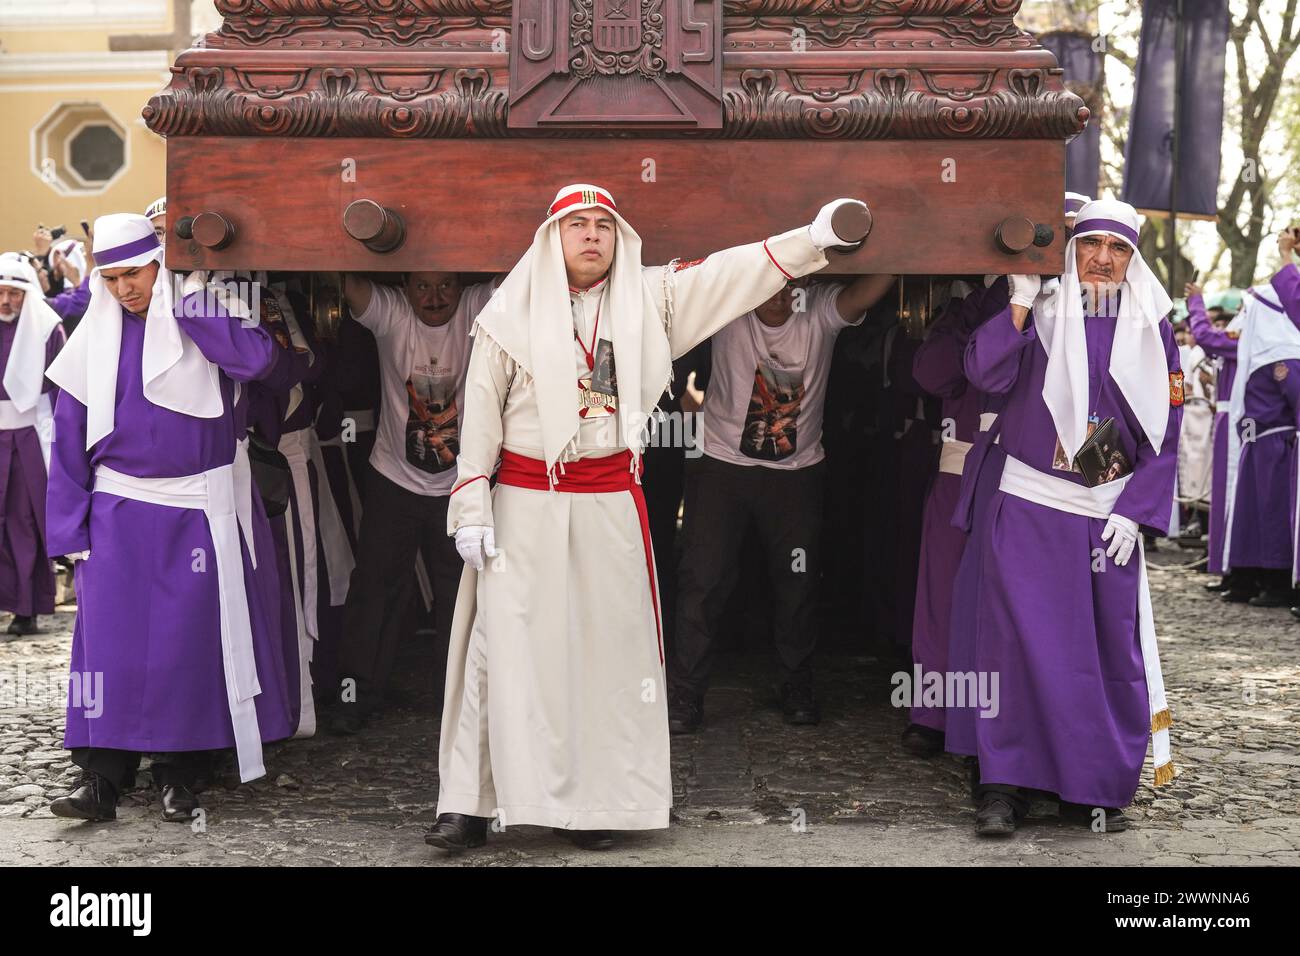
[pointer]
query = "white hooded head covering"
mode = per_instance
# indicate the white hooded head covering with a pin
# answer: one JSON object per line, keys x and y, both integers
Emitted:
{"x": 156, "y": 208}
{"x": 530, "y": 318}
{"x": 25, "y": 372}
{"x": 1074, "y": 202}
{"x": 1137, "y": 357}
{"x": 176, "y": 374}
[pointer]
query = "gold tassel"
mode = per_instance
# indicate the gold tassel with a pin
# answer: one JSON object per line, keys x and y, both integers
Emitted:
{"x": 1165, "y": 774}
{"x": 1161, "y": 721}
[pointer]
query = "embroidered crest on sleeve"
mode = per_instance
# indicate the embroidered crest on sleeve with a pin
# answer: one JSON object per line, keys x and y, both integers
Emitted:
{"x": 1280, "y": 371}
{"x": 1233, "y": 334}
{"x": 1175, "y": 388}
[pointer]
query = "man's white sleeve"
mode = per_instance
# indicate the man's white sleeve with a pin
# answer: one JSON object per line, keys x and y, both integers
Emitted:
{"x": 698, "y": 299}
{"x": 382, "y": 311}
{"x": 487, "y": 383}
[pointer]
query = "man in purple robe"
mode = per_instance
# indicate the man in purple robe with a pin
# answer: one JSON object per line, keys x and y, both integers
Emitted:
{"x": 1264, "y": 411}
{"x": 175, "y": 651}
{"x": 1220, "y": 344}
{"x": 969, "y": 469}
{"x": 30, "y": 337}
{"x": 981, "y": 473}
{"x": 1286, "y": 281}
{"x": 937, "y": 368}
{"x": 1094, "y": 397}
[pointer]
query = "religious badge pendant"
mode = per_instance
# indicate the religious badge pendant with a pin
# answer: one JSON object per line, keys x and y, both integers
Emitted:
{"x": 597, "y": 392}
{"x": 594, "y": 404}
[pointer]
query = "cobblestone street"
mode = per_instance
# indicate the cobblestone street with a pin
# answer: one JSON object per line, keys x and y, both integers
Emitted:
{"x": 743, "y": 785}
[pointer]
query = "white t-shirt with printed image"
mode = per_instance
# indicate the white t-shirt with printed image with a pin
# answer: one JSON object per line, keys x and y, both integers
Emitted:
{"x": 767, "y": 389}
{"x": 422, "y": 373}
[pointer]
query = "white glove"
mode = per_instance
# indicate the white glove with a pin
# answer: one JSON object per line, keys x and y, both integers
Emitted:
{"x": 821, "y": 233}
{"x": 1024, "y": 289}
{"x": 1122, "y": 533}
{"x": 473, "y": 541}
{"x": 77, "y": 556}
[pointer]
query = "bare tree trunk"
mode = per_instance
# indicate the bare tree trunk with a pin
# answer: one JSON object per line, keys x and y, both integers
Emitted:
{"x": 1251, "y": 186}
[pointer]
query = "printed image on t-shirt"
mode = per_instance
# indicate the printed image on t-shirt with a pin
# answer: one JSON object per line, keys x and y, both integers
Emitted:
{"x": 770, "y": 430}
{"x": 432, "y": 422}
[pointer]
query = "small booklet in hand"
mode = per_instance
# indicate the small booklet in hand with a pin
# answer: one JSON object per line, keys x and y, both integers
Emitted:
{"x": 1101, "y": 459}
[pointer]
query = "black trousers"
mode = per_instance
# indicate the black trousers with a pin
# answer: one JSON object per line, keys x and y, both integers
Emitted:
{"x": 662, "y": 484}
{"x": 119, "y": 766}
{"x": 722, "y": 500}
{"x": 396, "y": 524}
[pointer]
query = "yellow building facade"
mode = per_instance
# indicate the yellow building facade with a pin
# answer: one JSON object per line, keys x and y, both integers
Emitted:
{"x": 70, "y": 107}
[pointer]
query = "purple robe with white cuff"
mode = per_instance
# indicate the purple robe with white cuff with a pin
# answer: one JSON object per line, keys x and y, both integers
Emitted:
{"x": 1286, "y": 283}
{"x": 1223, "y": 346}
{"x": 1263, "y": 507}
{"x": 149, "y": 607}
{"x": 26, "y": 575}
{"x": 937, "y": 368}
{"x": 1057, "y": 621}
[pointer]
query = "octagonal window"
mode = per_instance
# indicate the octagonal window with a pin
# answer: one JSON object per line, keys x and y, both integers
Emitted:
{"x": 96, "y": 152}
{"x": 79, "y": 149}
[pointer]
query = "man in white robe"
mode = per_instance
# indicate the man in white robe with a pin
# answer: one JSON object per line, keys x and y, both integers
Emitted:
{"x": 558, "y": 610}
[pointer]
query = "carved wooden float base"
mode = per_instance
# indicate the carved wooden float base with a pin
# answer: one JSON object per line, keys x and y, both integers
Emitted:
{"x": 474, "y": 205}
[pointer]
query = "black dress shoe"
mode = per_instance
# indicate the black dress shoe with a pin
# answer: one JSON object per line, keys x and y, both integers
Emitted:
{"x": 685, "y": 714}
{"x": 1217, "y": 587}
{"x": 94, "y": 799}
{"x": 587, "y": 839}
{"x": 1236, "y": 595}
{"x": 922, "y": 741}
{"x": 1295, "y": 612}
{"x": 996, "y": 816}
{"x": 1272, "y": 599}
{"x": 457, "y": 832}
{"x": 799, "y": 704}
{"x": 1084, "y": 815}
{"x": 23, "y": 625}
{"x": 178, "y": 803}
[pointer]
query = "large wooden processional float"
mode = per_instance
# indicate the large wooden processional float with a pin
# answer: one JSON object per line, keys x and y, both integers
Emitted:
{"x": 389, "y": 135}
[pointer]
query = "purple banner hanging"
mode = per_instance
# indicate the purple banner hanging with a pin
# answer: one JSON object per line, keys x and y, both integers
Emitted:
{"x": 1148, "y": 155}
{"x": 1083, "y": 66}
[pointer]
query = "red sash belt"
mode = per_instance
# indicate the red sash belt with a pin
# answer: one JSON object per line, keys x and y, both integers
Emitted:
{"x": 589, "y": 476}
{"x": 585, "y": 475}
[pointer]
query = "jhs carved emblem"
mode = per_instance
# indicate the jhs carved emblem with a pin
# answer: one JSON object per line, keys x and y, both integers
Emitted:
{"x": 618, "y": 25}
{"x": 643, "y": 64}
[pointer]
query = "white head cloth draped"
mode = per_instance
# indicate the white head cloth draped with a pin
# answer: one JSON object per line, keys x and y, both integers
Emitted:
{"x": 1074, "y": 202}
{"x": 530, "y": 318}
{"x": 156, "y": 208}
{"x": 25, "y": 373}
{"x": 175, "y": 373}
{"x": 1137, "y": 357}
